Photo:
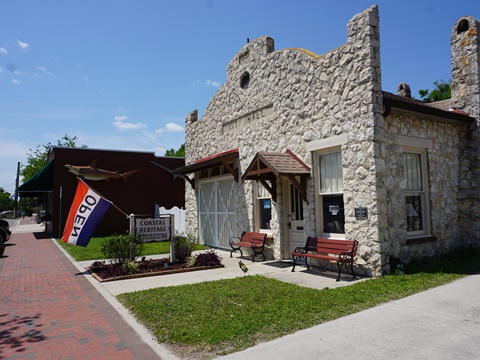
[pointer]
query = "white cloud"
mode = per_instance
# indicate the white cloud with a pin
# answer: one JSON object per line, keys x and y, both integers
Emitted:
{"x": 121, "y": 124}
{"x": 22, "y": 45}
{"x": 213, "y": 83}
{"x": 3, "y": 51}
{"x": 44, "y": 70}
{"x": 16, "y": 82}
{"x": 171, "y": 128}
{"x": 207, "y": 83}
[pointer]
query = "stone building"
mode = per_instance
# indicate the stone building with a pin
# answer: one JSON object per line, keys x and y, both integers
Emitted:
{"x": 297, "y": 144}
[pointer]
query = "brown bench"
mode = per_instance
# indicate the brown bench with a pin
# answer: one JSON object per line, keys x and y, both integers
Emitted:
{"x": 252, "y": 240}
{"x": 341, "y": 251}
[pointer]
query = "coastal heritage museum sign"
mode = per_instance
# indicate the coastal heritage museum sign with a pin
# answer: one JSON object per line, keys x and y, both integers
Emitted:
{"x": 153, "y": 229}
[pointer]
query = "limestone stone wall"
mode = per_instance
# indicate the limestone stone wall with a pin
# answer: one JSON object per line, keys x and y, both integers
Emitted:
{"x": 442, "y": 144}
{"x": 295, "y": 97}
{"x": 465, "y": 42}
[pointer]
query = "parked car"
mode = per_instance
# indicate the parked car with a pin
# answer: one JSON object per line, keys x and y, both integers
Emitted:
{"x": 5, "y": 213}
{"x": 4, "y": 231}
{"x": 4, "y": 235}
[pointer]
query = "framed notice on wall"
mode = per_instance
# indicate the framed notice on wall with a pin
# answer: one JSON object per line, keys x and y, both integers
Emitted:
{"x": 361, "y": 213}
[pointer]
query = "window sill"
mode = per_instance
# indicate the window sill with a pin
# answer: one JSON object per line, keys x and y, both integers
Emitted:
{"x": 269, "y": 234}
{"x": 421, "y": 240}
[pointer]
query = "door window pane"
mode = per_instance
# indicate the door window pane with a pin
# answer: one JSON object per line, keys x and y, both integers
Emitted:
{"x": 296, "y": 204}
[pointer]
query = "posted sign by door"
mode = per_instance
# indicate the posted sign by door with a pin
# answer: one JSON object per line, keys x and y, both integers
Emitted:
{"x": 334, "y": 209}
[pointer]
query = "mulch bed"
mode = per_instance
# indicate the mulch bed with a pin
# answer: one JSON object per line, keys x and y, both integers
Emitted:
{"x": 112, "y": 272}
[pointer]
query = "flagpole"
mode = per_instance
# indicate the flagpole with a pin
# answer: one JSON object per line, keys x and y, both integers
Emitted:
{"x": 115, "y": 206}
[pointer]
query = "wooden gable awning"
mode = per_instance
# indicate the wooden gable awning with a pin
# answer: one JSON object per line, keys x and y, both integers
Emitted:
{"x": 270, "y": 166}
{"x": 224, "y": 159}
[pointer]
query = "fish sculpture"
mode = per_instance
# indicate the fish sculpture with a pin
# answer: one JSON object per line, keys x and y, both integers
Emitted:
{"x": 91, "y": 172}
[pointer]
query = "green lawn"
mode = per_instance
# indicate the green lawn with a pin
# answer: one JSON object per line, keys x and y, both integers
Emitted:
{"x": 209, "y": 319}
{"x": 93, "y": 251}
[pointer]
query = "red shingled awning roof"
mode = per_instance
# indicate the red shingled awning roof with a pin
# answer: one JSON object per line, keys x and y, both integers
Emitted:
{"x": 266, "y": 167}
{"x": 208, "y": 162}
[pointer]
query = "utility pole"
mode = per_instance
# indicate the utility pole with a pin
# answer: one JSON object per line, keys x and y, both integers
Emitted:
{"x": 15, "y": 201}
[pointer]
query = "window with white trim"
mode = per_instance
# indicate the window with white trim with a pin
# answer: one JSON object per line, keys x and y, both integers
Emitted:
{"x": 416, "y": 192}
{"x": 331, "y": 192}
{"x": 263, "y": 207}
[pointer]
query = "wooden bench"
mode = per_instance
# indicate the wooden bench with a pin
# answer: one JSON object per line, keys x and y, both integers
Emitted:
{"x": 252, "y": 240}
{"x": 341, "y": 251}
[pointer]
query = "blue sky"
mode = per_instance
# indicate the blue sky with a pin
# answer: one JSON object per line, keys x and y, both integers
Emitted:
{"x": 123, "y": 74}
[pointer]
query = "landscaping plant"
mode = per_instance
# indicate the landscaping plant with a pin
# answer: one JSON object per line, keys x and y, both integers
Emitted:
{"x": 207, "y": 258}
{"x": 123, "y": 249}
{"x": 184, "y": 245}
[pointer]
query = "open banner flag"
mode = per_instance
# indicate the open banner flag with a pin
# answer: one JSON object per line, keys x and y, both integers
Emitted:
{"x": 86, "y": 212}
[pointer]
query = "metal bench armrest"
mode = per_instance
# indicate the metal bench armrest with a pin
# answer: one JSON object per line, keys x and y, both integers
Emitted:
{"x": 231, "y": 241}
{"x": 300, "y": 250}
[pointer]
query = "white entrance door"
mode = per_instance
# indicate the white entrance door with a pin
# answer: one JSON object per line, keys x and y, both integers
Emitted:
{"x": 294, "y": 219}
{"x": 216, "y": 211}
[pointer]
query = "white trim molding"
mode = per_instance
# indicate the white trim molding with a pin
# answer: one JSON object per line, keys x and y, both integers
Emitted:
{"x": 331, "y": 141}
{"x": 414, "y": 142}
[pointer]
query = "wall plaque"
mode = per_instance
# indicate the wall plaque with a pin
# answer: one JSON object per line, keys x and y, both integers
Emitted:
{"x": 361, "y": 213}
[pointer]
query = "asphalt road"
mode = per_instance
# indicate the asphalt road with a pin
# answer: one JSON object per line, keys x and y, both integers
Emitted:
{"x": 11, "y": 222}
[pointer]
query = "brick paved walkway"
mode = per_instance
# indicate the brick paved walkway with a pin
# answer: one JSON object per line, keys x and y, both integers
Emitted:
{"x": 50, "y": 311}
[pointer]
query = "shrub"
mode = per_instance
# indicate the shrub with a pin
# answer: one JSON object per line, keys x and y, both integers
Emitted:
{"x": 191, "y": 261}
{"x": 131, "y": 267}
{"x": 117, "y": 270}
{"x": 208, "y": 258}
{"x": 184, "y": 245}
{"x": 122, "y": 249}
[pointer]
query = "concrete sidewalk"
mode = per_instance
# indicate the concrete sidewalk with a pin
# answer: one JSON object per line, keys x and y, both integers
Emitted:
{"x": 280, "y": 270}
{"x": 442, "y": 323}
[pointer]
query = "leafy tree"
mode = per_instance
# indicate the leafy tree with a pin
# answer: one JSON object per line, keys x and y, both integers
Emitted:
{"x": 37, "y": 158}
{"x": 177, "y": 153}
{"x": 6, "y": 200}
{"x": 442, "y": 91}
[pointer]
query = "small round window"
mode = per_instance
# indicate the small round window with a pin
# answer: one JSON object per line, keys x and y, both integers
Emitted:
{"x": 462, "y": 26}
{"x": 245, "y": 81}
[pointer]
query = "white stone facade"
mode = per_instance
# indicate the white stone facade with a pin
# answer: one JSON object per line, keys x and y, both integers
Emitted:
{"x": 307, "y": 103}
